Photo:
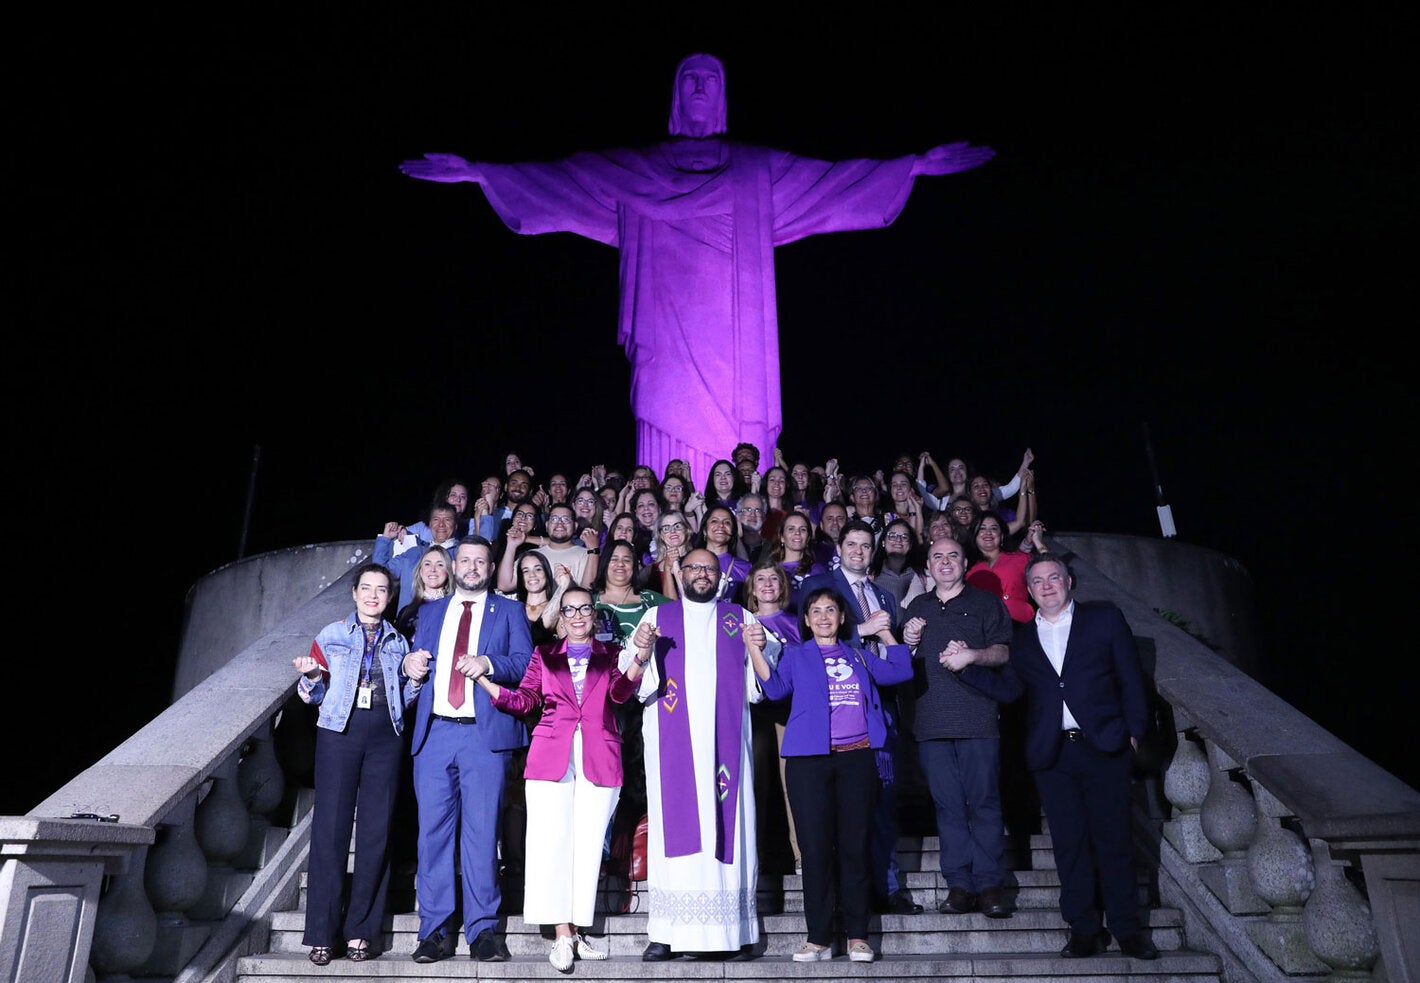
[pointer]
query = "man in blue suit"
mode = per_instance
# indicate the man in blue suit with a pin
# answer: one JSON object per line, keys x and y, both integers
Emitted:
{"x": 1085, "y": 713}
{"x": 875, "y": 609}
{"x": 462, "y": 747}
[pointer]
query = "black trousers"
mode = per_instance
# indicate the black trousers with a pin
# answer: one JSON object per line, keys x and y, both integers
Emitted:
{"x": 834, "y": 799}
{"x": 357, "y": 769}
{"x": 1086, "y": 796}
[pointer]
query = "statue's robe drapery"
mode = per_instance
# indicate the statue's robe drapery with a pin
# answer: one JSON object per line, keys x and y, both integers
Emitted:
{"x": 696, "y": 222}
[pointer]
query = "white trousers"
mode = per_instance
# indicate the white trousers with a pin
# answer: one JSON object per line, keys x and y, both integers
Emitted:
{"x": 567, "y": 821}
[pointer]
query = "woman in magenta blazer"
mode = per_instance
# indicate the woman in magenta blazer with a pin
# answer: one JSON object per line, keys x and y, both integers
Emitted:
{"x": 573, "y": 774}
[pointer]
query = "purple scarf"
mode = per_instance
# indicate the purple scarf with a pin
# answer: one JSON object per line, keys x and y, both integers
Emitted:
{"x": 680, "y": 816}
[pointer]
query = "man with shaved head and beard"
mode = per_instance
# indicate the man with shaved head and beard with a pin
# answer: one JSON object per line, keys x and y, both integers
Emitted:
{"x": 697, "y": 685}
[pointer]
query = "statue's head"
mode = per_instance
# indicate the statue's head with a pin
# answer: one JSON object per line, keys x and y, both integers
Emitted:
{"x": 698, "y": 97}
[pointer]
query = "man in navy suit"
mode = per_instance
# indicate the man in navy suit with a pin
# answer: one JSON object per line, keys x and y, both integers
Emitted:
{"x": 462, "y": 747}
{"x": 1085, "y": 713}
{"x": 875, "y": 609}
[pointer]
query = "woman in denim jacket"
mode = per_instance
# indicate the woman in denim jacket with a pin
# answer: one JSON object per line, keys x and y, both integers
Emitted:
{"x": 353, "y": 674}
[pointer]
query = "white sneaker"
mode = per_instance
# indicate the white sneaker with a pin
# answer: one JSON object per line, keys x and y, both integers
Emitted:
{"x": 561, "y": 955}
{"x": 861, "y": 952}
{"x": 585, "y": 949}
{"x": 810, "y": 953}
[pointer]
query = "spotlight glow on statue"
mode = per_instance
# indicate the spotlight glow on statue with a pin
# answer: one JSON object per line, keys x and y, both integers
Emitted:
{"x": 696, "y": 219}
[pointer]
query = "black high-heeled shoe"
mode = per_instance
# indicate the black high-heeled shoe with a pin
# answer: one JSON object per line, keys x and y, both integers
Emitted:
{"x": 320, "y": 955}
{"x": 359, "y": 953}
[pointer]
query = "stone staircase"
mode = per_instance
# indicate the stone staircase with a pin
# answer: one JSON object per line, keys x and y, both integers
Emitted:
{"x": 930, "y": 945}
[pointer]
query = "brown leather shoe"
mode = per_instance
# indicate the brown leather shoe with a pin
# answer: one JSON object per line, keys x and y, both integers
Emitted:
{"x": 959, "y": 901}
{"x": 995, "y": 903}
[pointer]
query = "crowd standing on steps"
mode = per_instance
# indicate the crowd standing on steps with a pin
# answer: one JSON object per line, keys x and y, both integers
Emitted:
{"x": 622, "y": 651}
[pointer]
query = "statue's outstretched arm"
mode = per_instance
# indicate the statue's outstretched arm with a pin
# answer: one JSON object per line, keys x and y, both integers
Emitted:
{"x": 443, "y": 168}
{"x": 949, "y": 158}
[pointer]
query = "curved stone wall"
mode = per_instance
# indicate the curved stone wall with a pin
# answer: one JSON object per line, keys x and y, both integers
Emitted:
{"x": 247, "y": 598}
{"x": 1210, "y": 591}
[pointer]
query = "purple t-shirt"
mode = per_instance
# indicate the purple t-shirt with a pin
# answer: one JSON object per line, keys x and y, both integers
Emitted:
{"x": 577, "y": 657}
{"x": 847, "y": 716}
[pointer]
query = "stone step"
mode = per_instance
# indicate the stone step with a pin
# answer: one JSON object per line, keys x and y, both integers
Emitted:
{"x": 1034, "y": 889}
{"x": 1112, "y": 967}
{"x": 1037, "y": 932}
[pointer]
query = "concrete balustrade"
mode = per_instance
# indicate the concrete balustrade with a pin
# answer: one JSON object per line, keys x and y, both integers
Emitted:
{"x": 1287, "y": 853}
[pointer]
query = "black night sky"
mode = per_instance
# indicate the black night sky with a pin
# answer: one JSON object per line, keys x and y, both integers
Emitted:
{"x": 1199, "y": 220}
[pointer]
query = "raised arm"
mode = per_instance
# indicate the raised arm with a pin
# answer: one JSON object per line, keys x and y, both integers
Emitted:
{"x": 949, "y": 158}
{"x": 443, "y": 168}
{"x": 939, "y": 481}
{"x": 1014, "y": 485}
{"x": 562, "y": 577}
{"x": 508, "y": 563}
{"x": 1025, "y": 504}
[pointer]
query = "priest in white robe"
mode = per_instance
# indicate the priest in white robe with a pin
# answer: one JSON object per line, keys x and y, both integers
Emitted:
{"x": 697, "y": 683}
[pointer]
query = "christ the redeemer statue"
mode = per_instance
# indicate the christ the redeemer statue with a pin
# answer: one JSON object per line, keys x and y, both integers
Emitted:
{"x": 696, "y": 220}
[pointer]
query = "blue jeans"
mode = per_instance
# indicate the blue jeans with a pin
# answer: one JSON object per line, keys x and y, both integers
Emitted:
{"x": 962, "y": 774}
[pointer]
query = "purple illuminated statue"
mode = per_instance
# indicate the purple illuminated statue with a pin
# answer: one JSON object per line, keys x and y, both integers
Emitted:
{"x": 696, "y": 220}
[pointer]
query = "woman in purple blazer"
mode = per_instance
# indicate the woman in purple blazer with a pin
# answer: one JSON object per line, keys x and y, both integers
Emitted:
{"x": 573, "y": 774}
{"x": 835, "y": 722}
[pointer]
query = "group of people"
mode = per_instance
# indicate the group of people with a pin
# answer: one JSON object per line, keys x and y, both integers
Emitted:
{"x": 625, "y": 637}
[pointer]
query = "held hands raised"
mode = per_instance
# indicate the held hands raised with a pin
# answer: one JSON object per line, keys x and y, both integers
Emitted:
{"x": 473, "y": 666}
{"x": 874, "y": 623}
{"x": 912, "y": 631}
{"x": 416, "y": 665}
{"x": 645, "y": 637}
{"x": 443, "y": 168}
{"x": 755, "y": 637}
{"x": 956, "y": 656}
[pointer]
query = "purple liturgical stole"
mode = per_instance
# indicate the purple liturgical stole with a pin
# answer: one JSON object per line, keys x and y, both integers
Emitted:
{"x": 680, "y": 815}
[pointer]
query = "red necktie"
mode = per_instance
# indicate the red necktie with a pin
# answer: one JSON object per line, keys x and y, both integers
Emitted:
{"x": 456, "y": 678}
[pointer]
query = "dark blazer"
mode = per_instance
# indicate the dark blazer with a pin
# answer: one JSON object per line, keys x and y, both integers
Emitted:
{"x": 504, "y": 638}
{"x": 1100, "y": 679}
{"x": 839, "y": 582}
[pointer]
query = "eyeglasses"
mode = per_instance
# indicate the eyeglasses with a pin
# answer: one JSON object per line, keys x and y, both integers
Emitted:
{"x": 673, "y": 527}
{"x": 858, "y": 488}
{"x": 751, "y": 511}
{"x": 898, "y": 537}
{"x": 558, "y": 520}
{"x": 586, "y": 501}
{"x": 963, "y": 509}
{"x": 700, "y": 568}
{"x": 568, "y": 610}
